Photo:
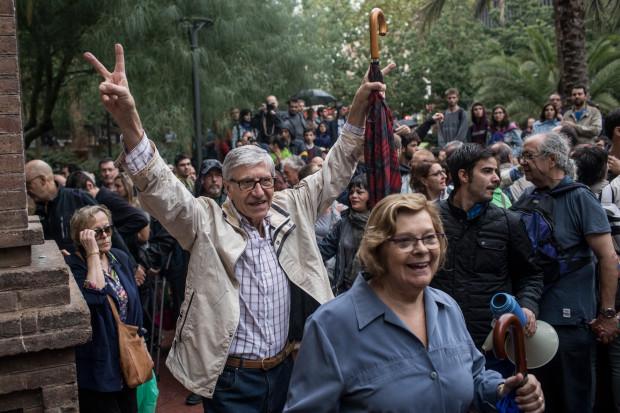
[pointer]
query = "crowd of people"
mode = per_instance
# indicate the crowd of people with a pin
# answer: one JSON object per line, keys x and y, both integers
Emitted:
{"x": 258, "y": 240}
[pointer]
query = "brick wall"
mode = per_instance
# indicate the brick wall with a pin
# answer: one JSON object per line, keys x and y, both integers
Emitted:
{"x": 13, "y": 212}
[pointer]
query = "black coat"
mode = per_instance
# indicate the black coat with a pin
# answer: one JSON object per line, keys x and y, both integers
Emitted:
{"x": 486, "y": 255}
{"x": 98, "y": 361}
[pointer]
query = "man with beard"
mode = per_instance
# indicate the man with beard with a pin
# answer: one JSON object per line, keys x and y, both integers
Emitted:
{"x": 584, "y": 118}
{"x": 210, "y": 182}
{"x": 488, "y": 249}
{"x": 453, "y": 127}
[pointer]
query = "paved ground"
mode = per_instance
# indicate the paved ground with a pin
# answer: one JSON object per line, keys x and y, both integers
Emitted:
{"x": 171, "y": 393}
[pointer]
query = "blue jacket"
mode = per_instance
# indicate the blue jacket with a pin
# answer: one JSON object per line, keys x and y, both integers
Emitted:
{"x": 98, "y": 362}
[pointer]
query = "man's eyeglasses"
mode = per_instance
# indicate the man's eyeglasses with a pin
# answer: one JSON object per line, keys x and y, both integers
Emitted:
{"x": 406, "y": 243}
{"x": 100, "y": 231}
{"x": 250, "y": 184}
{"x": 29, "y": 183}
{"x": 527, "y": 156}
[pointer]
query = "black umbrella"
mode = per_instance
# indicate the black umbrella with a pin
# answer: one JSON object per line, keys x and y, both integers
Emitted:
{"x": 315, "y": 97}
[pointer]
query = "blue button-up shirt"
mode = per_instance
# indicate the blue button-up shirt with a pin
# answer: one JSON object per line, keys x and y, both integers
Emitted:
{"x": 358, "y": 356}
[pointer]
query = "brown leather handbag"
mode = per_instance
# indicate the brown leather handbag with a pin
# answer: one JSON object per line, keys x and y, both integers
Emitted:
{"x": 136, "y": 362}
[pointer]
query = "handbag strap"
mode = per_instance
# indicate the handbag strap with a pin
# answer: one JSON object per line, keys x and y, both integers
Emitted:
{"x": 114, "y": 310}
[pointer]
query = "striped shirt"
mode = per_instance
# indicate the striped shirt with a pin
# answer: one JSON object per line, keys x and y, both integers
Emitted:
{"x": 264, "y": 297}
{"x": 264, "y": 291}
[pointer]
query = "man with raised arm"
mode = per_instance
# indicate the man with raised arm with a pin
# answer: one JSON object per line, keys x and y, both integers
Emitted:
{"x": 248, "y": 292}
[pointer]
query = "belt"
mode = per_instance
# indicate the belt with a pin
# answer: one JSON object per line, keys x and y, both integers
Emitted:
{"x": 263, "y": 364}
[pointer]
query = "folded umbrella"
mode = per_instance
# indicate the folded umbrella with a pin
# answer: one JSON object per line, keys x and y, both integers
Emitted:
{"x": 380, "y": 152}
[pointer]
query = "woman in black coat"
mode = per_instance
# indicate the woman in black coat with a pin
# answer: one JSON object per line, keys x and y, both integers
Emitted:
{"x": 101, "y": 271}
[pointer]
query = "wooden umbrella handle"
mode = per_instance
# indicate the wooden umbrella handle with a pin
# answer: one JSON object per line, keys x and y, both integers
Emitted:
{"x": 502, "y": 325}
{"x": 378, "y": 26}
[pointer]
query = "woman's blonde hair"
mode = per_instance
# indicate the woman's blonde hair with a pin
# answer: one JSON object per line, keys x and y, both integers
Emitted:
{"x": 82, "y": 219}
{"x": 382, "y": 225}
{"x": 128, "y": 185}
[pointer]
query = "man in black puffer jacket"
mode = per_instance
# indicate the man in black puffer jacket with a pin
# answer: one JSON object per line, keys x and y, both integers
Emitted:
{"x": 488, "y": 248}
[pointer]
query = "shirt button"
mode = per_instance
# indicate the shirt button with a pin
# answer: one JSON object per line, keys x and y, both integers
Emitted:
{"x": 433, "y": 375}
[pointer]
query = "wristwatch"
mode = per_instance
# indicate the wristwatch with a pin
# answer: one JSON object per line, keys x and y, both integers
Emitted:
{"x": 608, "y": 312}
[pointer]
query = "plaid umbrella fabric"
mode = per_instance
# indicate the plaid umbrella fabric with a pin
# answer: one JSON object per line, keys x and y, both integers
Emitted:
{"x": 379, "y": 150}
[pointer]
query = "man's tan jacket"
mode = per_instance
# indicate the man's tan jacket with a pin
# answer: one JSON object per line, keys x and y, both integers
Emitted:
{"x": 210, "y": 312}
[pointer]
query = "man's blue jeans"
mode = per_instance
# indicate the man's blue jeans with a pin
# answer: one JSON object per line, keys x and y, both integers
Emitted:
{"x": 243, "y": 390}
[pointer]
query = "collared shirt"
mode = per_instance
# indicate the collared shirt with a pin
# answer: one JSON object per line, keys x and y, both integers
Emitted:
{"x": 264, "y": 292}
{"x": 358, "y": 356}
{"x": 264, "y": 297}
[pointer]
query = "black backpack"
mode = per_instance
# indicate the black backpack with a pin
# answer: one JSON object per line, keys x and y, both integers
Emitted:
{"x": 536, "y": 212}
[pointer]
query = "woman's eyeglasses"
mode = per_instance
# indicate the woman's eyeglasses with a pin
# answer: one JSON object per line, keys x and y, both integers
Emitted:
{"x": 406, "y": 243}
{"x": 100, "y": 231}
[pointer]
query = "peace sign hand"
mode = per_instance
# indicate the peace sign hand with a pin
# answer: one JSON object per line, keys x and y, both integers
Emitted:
{"x": 116, "y": 97}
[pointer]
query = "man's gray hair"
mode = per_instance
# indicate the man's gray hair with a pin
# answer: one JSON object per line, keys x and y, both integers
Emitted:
{"x": 247, "y": 155}
{"x": 555, "y": 144}
{"x": 295, "y": 162}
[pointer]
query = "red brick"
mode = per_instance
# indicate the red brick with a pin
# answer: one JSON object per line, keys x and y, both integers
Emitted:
{"x": 10, "y": 124}
{"x": 10, "y": 105}
{"x": 15, "y": 256}
{"x": 8, "y": 301}
{"x": 14, "y": 219}
{"x": 11, "y": 163}
{"x": 10, "y": 200}
{"x": 37, "y": 378}
{"x": 8, "y": 65}
{"x": 44, "y": 341}
{"x": 48, "y": 269}
{"x": 7, "y": 25}
{"x": 7, "y": 8}
{"x": 19, "y": 237}
{"x": 43, "y": 297}
{"x": 12, "y": 182}
{"x": 31, "y": 361}
{"x": 59, "y": 396}
{"x": 11, "y": 143}
{"x": 8, "y": 44}
{"x": 9, "y": 86}
{"x": 25, "y": 400}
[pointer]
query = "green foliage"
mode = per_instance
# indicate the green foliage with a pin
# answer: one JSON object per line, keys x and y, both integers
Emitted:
{"x": 524, "y": 81}
{"x": 252, "y": 49}
{"x": 521, "y": 17}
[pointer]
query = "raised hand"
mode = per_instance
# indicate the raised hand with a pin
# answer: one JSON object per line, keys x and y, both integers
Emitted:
{"x": 116, "y": 97}
{"x": 89, "y": 242}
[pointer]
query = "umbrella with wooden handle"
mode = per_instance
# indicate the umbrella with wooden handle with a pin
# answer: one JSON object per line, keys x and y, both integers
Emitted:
{"x": 380, "y": 154}
{"x": 510, "y": 323}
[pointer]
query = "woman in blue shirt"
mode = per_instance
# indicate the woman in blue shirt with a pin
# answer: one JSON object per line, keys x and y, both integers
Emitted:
{"x": 548, "y": 119}
{"x": 392, "y": 343}
{"x": 101, "y": 271}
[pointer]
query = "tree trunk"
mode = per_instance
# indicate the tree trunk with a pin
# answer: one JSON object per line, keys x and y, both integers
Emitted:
{"x": 570, "y": 39}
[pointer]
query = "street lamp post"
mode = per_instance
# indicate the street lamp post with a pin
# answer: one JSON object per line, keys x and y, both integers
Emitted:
{"x": 196, "y": 23}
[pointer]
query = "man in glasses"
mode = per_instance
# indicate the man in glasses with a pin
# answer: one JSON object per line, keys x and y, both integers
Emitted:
{"x": 578, "y": 298}
{"x": 55, "y": 205}
{"x": 488, "y": 248}
{"x": 255, "y": 272}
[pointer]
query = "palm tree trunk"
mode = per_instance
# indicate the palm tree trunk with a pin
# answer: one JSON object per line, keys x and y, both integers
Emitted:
{"x": 570, "y": 39}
